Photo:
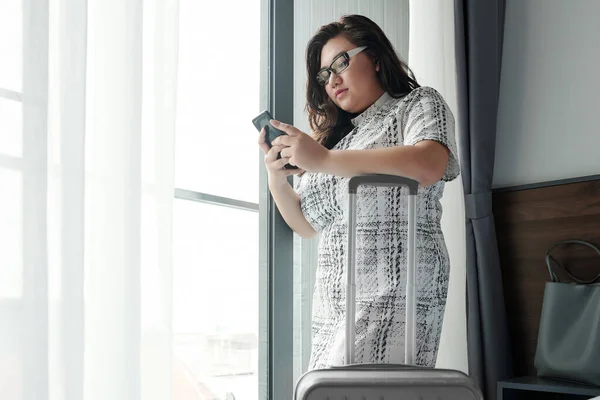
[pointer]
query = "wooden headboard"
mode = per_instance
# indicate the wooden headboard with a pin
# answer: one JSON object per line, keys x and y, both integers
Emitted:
{"x": 529, "y": 220}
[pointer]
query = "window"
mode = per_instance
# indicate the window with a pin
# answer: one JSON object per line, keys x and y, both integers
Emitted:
{"x": 215, "y": 283}
{"x": 227, "y": 234}
{"x": 231, "y": 339}
{"x": 10, "y": 146}
{"x": 11, "y": 182}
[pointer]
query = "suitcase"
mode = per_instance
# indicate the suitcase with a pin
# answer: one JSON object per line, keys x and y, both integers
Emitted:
{"x": 384, "y": 381}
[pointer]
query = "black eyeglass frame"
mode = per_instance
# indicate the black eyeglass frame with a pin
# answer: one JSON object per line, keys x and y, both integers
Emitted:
{"x": 347, "y": 56}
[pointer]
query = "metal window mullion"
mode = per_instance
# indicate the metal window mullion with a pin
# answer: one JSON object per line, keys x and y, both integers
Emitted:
{"x": 264, "y": 289}
{"x": 10, "y": 162}
{"x": 279, "y": 236}
{"x": 215, "y": 200}
{"x": 11, "y": 95}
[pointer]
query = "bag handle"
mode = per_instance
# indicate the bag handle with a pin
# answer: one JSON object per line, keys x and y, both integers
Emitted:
{"x": 549, "y": 258}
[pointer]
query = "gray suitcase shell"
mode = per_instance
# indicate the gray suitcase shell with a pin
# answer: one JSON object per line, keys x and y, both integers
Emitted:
{"x": 384, "y": 381}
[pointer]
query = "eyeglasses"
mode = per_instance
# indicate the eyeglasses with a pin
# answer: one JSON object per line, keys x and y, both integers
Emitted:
{"x": 338, "y": 65}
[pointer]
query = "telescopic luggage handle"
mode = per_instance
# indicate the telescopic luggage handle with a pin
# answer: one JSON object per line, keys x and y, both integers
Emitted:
{"x": 380, "y": 180}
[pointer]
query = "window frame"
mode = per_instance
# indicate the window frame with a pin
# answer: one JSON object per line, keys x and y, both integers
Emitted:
{"x": 276, "y": 240}
{"x": 6, "y": 161}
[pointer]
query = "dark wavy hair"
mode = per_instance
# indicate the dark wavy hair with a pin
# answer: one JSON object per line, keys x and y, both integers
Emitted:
{"x": 328, "y": 122}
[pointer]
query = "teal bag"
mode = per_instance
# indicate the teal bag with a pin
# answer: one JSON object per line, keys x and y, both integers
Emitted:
{"x": 568, "y": 346}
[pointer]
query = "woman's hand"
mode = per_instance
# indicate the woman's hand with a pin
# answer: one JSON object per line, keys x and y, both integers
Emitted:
{"x": 275, "y": 167}
{"x": 300, "y": 149}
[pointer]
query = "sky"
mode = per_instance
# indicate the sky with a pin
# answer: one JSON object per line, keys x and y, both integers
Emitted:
{"x": 216, "y": 248}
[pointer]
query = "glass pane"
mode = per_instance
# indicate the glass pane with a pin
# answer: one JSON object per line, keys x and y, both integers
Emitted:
{"x": 11, "y": 22}
{"x": 11, "y": 349}
{"x": 10, "y": 234}
{"x": 218, "y": 95}
{"x": 11, "y": 143}
{"x": 215, "y": 286}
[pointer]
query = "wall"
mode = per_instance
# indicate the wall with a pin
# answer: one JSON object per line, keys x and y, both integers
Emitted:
{"x": 548, "y": 125}
{"x": 432, "y": 59}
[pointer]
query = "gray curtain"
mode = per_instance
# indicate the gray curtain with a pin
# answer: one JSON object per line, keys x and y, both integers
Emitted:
{"x": 479, "y": 29}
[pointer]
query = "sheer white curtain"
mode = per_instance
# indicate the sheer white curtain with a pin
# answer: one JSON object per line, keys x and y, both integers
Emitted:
{"x": 432, "y": 59}
{"x": 88, "y": 313}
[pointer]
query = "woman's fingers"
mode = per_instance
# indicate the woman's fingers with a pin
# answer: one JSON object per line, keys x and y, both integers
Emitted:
{"x": 286, "y": 152}
{"x": 261, "y": 142}
{"x": 281, "y": 163}
{"x": 295, "y": 171}
{"x": 272, "y": 154}
{"x": 278, "y": 157}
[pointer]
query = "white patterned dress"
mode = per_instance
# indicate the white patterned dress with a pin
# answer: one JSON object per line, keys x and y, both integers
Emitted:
{"x": 381, "y": 237}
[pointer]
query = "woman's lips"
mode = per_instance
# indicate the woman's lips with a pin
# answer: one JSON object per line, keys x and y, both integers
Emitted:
{"x": 340, "y": 92}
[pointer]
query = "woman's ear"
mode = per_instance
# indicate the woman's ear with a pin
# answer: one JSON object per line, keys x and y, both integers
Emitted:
{"x": 376, "y": 61}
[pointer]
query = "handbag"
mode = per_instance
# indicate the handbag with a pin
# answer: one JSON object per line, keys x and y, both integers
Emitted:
{"x": 568, "y": 346}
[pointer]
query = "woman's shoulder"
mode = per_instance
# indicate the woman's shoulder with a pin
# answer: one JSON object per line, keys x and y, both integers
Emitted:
{"x": 422, "y": 93}
{"x": 418, "y": 100}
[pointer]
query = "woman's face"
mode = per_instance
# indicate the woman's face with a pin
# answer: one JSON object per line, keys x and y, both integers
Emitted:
{"x": 357, "y": 87}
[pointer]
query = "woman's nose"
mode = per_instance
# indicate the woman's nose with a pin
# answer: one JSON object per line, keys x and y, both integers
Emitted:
{"x": 334, "y": 79}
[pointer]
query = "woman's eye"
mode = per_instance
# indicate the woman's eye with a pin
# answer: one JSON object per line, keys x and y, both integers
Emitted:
{"x": 342, "y": 64}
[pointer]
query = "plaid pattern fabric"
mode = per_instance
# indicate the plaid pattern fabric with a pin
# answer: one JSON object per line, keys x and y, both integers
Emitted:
{"x": 381, "y": 235}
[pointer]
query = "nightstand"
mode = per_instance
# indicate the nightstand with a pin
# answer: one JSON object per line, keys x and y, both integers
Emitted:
{"x": 531, "y": 387}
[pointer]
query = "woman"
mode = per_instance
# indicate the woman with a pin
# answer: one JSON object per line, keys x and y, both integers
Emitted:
{"x": 368, "y": 116}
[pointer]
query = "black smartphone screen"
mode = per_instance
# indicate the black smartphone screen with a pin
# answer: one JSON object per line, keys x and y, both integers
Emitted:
{"x": 262, "y": 121}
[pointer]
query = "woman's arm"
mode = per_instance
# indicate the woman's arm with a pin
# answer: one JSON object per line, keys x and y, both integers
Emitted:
{"x": 288, "y": 203}
{"x": 286, "y": 199}
{"x": 428, "y": 154}
{"x": 424, "y": 162}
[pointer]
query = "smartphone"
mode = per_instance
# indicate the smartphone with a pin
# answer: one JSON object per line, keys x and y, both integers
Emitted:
{"x": 262, "y": 121}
